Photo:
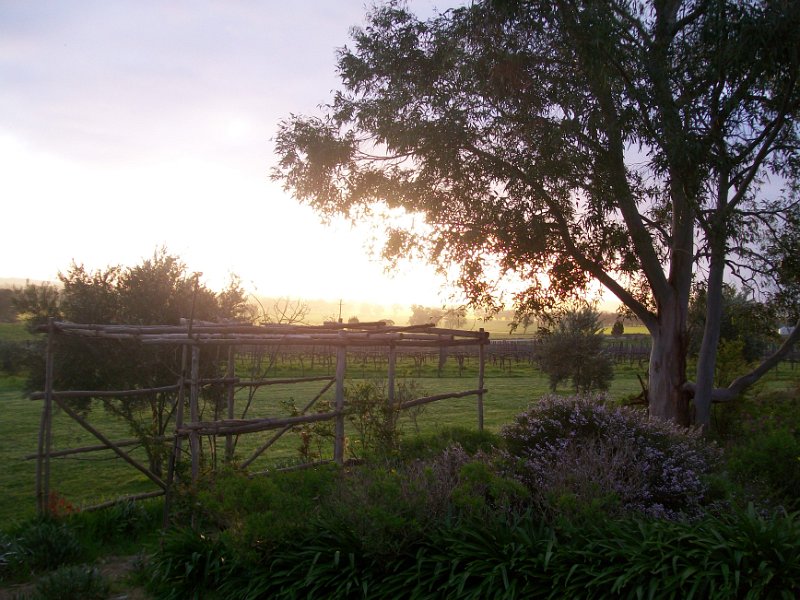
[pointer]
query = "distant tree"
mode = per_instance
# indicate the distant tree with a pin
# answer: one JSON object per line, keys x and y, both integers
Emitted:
{"x": 8, "y": 313}
{"x": 455, "y": 317}
{"x": 353, "y": 320}
{"x": 36, "y": 303}
{"x": 424, "y": 315}
{"x": 640, "y": 144}
{"x": 157, "y": 291}
{"x": 573, "y": 349}
{"x": 618, "y": 328}
{"x": 282, "y": 311}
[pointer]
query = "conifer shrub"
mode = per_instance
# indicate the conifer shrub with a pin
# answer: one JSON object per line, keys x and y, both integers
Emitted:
{"x": 580, "y": 453}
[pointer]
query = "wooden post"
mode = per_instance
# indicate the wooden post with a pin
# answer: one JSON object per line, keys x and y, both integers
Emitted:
{"x": 45, "y": 429}
{"x": 484, "y": 339}
{"x": 391, "y": 375}
{"x": 338, "y": 442}
{"x": 194, "y": 413}
{"x": 177, "y": 442}
{"x": 230, "y": 372}
{"x": 111, "y": 445}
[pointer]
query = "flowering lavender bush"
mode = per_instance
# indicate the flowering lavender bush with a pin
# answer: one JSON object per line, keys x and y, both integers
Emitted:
{"x": 583, "y": 450}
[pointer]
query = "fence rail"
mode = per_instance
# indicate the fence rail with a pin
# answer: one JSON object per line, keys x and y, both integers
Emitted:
{"x": 339, "y": 341}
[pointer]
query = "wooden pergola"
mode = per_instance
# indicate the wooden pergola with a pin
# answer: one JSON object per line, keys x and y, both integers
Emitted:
{"x": 192, "y": 338}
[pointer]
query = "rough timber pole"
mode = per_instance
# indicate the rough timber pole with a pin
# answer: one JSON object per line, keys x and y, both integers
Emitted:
{"x": 194, "y": 413}
{"x": 391, "y": 375}
{"x": 230, "y": 372}
{"x": 338, "y": 442}
{"x": 481, "y": 370}
{"x": 177, "y": 442}
{"x": 45, "y": 429}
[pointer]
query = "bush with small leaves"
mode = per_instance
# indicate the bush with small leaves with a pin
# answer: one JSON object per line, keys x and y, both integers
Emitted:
{"x": 579, "y": 449}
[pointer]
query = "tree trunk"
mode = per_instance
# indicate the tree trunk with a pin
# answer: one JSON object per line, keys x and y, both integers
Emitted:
{"x": 707, "y": 359}
{"x": 666, "y": 397}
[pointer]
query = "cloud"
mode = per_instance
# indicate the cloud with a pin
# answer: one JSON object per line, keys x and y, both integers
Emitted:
{"x": 130, "y": 124}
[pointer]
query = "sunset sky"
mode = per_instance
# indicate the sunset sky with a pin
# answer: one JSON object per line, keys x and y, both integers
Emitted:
{"x": 128, "y": 125}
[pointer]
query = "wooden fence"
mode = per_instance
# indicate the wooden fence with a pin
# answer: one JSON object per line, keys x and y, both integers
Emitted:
{"x": 192, "y": 339}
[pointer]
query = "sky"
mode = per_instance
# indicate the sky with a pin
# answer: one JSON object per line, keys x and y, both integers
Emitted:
{"x": 128, "y": 125}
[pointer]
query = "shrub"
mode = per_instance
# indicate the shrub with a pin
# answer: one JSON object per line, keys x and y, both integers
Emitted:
{"x": 429, "y": 446}
{"x": 386, "y": 509}
{"x": 770, "y": 410}
{"x": 121, "y": 523}
{"x": 374, "y": 421}
{"x": 769, "y": 463}
{"x": 738, "y": 555}
{"x": 14, "y": 356}
{"x": 187, "y": 563}
{"x": 44, "y": 545}
{"x": 259, "y": 514}
{"x": 573, "y": 349}
{"x": 575, "y": 450}
{"x": 72, "y": 583}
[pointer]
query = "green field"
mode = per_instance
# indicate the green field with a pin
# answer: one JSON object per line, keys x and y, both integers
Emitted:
{"x": 88, "y": 478}
{"x": 92, "y": 477}
{"x": 15, "y": 332}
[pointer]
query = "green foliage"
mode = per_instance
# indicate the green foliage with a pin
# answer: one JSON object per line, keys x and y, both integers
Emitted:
{"x": 374, "y": 421}
{"x": 771, "y": 409}
{"x": 383, "y": 509}
{"x": 769, "y": 461}
{"x": 40, "y": 545}
{"x": 574, "y": 350}
{"x": 36, "y": 303}
{"x": 784, "y": 252}
{"x": 742, "y": 555}
{"x": 507, "y": 127}
{"x": 8, "y": 314}
{"x": 263, "y": 512}
{"x": 451, "y": 524}
{"x": 121, "y": 524}
{"x": 314, "y": 437}
{"x": 618, "y": 328}
{"x": 159, "y": 291}
{"x": 428, "y": 446}
{"x": 72, "y": 583}
{"x": 14, "y": 356}
{"x": 748, "y": 328}
{"x": 187, "y": 564}
{"x": 482, "y": 491}
{"x": 580, "y": 449}
{"x": 491, "y": 558}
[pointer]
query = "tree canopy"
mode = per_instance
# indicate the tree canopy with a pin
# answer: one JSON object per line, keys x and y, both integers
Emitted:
{"x": 573, "y": 349}
{"x": 158, "y": 291}
{"x": 645, "y": 145}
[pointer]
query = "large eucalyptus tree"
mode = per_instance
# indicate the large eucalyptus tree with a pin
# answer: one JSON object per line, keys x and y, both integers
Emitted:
{"x": 643, "y": 145}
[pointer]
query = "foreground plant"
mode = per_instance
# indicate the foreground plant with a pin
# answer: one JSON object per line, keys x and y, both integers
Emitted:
{"x": 579, "y": 452}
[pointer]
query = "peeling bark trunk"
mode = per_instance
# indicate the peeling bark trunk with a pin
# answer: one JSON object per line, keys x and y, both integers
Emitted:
{"x": 707, "y": 358}
{"x": 666, "y": 397}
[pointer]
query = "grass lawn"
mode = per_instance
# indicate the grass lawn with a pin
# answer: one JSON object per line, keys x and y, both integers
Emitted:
{"x": 15, "y": 332}
{"x": 88, "y": 478}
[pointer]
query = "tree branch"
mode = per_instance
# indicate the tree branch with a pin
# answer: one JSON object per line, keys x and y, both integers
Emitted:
{"x": 735, "y": 389}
